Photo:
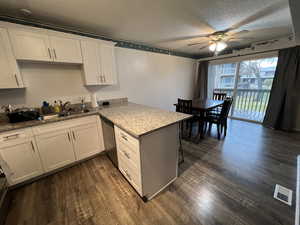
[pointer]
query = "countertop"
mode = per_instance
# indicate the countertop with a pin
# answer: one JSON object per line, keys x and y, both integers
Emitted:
{"x": 136, "y": 119}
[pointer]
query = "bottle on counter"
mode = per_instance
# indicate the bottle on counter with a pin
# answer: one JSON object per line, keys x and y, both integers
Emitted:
{"x": 56, "y": 107}
{"x": 94, "y": 100}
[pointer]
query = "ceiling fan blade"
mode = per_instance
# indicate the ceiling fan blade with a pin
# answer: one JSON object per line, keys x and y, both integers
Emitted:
{"x": 182, "y": 38}
{"x": 203, "y": 47}
{"x": 239, "y": 32}
{"x": 269, "y": 10}
{"x": 240, "y": 39}
{"x": 193, "y": 44}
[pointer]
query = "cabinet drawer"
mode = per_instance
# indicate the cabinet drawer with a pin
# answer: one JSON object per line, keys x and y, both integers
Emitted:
{"x": 15, "y": 135}
{"x": 129, "y": 155}
{"x": 127, "y": 139}
{"x": 131, "y": 173}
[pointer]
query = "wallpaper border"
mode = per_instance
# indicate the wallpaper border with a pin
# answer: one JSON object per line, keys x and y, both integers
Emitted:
{"x": 119, "y": 43}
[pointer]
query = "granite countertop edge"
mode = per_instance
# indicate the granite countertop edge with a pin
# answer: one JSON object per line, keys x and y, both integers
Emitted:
{"x": 6, "y": 127}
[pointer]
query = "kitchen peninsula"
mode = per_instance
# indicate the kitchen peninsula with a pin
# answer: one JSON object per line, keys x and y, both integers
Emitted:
{"x": 147, "y": 143}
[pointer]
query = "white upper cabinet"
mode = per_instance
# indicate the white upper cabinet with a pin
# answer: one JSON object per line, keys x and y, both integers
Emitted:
{"x": 24, "y": 43}
{"x": 45, "y": 46}
{"x": 98, "y": 63}
{"x": 107, "y": 55}
{"x": 9, "y": 75}
{"x": 91, "y": 62}
{"x": 30, "y": 45}
{"x": 65, "y": 49}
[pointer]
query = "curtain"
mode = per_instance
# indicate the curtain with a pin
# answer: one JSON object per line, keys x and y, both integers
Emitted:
{"x": 281, "y": 112}
{"x": 200, "y": 89}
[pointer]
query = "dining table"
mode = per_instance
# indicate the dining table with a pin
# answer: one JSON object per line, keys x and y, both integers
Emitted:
{"x": 200, "y": 108}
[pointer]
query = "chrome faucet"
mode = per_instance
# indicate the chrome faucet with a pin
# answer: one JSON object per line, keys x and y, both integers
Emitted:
{"x": 64, "y": 107}
{"x": 82, "y": 105}
{"x": 7, "y": 108}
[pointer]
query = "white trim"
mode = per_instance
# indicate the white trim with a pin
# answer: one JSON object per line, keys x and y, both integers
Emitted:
{"x": 297, "y": 214}
{"x": 239, "y": 58}
{"x": 152, "y": 196}
{"x": 245, "y": 120}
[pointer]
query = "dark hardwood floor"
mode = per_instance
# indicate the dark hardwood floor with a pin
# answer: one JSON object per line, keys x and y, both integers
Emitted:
{"x": 221, "y": 182}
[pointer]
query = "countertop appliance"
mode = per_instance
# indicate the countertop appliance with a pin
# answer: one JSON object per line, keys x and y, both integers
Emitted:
{"x": 22, "y": 115}
{"x": 109, "y": 140}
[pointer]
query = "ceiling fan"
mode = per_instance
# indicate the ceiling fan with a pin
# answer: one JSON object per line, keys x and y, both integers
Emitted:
{"x": 219, "y": 40}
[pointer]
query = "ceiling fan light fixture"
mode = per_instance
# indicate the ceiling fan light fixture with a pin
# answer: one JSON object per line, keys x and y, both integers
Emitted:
{"x": 221, "y": 45}
{"x": 212, "y": 47}
{"x": 217, "y": 46}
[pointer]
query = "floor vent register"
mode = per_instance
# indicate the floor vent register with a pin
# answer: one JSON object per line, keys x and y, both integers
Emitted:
{"x": 283, "y": 194}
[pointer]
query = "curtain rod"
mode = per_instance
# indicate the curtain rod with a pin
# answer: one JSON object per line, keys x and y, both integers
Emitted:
{"x": 239, "y": 55}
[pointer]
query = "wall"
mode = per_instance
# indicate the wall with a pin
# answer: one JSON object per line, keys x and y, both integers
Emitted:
{"x": 144, "y": 77}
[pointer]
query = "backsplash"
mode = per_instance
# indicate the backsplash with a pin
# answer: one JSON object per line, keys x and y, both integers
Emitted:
{"x": 50, "y": 82}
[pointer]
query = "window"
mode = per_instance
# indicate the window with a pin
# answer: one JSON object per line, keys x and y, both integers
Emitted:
{"x": 250, "y": 86}
{"x": 226, "y": 81}
{"x": 253, "y": 73}
{"x": 229, "y": 68}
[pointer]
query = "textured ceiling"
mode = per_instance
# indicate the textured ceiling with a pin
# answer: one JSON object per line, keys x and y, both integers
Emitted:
{"x": 161, "y": 23}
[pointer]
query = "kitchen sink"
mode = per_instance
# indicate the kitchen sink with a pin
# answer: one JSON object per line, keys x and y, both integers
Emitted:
{"x": 63, "y": 114}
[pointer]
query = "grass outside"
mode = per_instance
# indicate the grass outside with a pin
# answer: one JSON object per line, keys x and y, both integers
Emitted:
{"x": 252, "y": 104}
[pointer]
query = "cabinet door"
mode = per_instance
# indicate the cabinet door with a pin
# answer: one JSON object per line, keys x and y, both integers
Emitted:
{"x": 10, "y": 75}
{"x": 30, "y": 45}
{"x": 21, "y": 160}
{"x": 56, "y": 149}
{"x": 108, "y": 66}
{"x": 91, "y": 62}
{"x": 66, "y": 49}
{"x": 87, "y": 141}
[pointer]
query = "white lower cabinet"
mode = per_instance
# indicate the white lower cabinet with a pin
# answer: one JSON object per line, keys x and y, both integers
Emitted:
{"x": 19, "y": 157}
{"x": 28, "y": 153}
{"x": 56, "y": 149}
{"x": 149, "y": 162}
{"x": 87, "y": 142}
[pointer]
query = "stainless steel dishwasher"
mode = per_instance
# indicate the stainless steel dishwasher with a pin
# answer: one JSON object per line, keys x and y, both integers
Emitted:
{"x": 109, "y": 140}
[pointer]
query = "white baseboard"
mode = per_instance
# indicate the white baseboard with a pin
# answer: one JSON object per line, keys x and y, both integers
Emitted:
{"x": 152, "y": 196}
{"x": 297, "y": 215}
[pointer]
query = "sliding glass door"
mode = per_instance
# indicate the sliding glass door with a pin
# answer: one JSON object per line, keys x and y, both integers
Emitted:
{"x": 249, "y": 83}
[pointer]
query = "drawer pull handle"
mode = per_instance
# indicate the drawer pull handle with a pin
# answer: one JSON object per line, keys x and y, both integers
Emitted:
{"x": 124, "y": 137}
{"x": 74, "y": 136}
{"x": 17, "y": 81}
{"x": 54, "y": 53}
{"x": 32, "y": 145}
{"x": 49, "y": 52}
{"x": 10, "y": 137}
{"x": 128, "y": 175}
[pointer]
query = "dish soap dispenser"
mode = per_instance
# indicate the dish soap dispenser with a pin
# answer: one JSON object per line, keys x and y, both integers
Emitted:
{"x": 94, "y": 100}
{"x": 56, "y": 107}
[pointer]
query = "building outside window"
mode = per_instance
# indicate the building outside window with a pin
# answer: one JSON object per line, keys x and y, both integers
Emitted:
{"x": 249, "y": 86}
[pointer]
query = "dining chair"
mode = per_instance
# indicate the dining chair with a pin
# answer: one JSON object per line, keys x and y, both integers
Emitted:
{"x": 184, "y": 106}
{"x": 220, "y": 119}
{"x": 219, "y": 96}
